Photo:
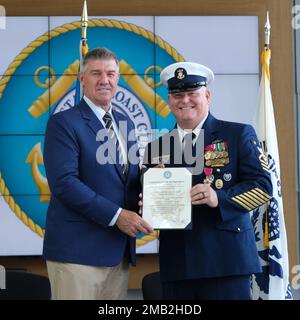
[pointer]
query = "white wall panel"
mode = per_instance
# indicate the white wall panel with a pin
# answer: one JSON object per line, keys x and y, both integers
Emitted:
{"x": 226, "y": 44}
{"x": 19, "y": 32}
{"x": 234, "y": 97}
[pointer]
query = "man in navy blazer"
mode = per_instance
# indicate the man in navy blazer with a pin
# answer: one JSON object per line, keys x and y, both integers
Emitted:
{"x": 91, "y": 220}
{"x": 215, "y": 259}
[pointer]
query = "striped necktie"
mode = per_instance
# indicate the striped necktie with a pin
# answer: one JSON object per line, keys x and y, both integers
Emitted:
{"x": 111, "y": 132}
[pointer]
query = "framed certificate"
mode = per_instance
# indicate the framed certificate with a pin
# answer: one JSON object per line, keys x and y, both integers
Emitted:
{"x": 166, "y": 198}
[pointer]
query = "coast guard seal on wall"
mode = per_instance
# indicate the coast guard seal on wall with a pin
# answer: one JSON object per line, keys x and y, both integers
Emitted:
{"x": 49, "y": 67}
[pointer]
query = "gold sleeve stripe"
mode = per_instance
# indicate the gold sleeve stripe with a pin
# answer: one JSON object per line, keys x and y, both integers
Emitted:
{"x": 242, "y": 204}
{"x": 245, "y": 201}
{"x": 257, "y": 196}
{"x": 248, "y": 199}
{"x": 262, "y": 198}
{"x": 251, "y": 199}
{"x": 257, "y": 193}
{"x": 267, "y": 196}
{"x": 259, "y": 199}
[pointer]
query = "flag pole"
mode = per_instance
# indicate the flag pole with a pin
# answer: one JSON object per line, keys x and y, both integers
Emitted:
{"x": 266, "y": 70}
{"x": 266, "y": 73}
{"x": 83, "y": 41}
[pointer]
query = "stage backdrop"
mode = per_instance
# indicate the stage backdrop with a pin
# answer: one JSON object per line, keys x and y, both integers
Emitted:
{"x": 38, "y": 66}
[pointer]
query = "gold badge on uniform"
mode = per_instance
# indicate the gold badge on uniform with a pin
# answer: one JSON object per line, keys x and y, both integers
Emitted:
{"x": 219, "y": 184}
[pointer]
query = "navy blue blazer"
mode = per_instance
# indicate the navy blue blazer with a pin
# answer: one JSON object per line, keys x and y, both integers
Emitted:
{"x": 85, "y": 195}
{"x": 221, "y": 242}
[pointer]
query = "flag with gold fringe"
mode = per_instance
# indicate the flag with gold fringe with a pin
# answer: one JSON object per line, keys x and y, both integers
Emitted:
{"x": 268, "y": 220}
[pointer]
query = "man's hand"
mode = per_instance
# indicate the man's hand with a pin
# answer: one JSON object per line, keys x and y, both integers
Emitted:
{"x": 132, "y": 224}
{"x": 204, "y": 194}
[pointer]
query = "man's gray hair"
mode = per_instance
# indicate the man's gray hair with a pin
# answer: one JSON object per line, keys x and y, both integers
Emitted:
{"x": 100, "y": 53}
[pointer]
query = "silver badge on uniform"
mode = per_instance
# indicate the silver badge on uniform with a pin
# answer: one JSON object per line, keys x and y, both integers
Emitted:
{"x": 227, "y": 177}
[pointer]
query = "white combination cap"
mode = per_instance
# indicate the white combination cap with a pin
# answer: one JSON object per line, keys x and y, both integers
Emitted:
{"x": 186, "y": 76}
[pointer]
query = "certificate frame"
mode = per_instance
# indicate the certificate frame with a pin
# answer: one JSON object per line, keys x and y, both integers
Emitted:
{"x": 166, "y": 198}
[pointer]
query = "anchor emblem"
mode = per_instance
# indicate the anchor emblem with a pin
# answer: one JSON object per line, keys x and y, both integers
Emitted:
{"x": 35, "y": 157}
